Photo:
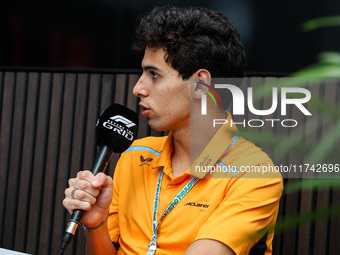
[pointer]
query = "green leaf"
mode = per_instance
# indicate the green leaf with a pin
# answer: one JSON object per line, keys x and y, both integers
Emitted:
{"x": 319, "y": 71}
{"x": 330, "y": 58}
{"x": 308, "y": 184}
{"x": 321, "y": 22}
{"x": 290, "y": 222}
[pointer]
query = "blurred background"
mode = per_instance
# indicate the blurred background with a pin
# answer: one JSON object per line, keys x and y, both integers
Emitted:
{"x": 98, "y": 33}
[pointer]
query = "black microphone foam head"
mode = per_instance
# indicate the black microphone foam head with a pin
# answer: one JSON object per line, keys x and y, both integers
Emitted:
{"x": 117, "y": 127}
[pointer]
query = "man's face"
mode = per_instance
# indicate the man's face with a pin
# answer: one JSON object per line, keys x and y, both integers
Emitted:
{"x": 164, "y": 95}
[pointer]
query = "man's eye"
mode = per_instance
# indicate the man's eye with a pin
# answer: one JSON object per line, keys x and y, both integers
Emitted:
{"x": 154, "y": 75}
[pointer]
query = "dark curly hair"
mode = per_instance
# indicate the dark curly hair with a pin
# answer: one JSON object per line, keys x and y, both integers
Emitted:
{"x": 193, "y": 38}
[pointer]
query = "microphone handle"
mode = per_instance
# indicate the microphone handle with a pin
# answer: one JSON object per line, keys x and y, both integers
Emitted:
{"x": 101, "y": 161}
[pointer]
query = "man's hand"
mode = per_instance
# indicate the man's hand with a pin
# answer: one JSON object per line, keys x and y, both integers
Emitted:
{"x": 207, "y": 246}
{"x": 92, "y": 194}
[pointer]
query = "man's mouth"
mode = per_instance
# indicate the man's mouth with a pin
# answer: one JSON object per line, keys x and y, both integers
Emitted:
{"x": 145, "y": 111}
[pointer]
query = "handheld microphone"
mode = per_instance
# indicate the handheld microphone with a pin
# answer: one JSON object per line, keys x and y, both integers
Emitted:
{"x": 116, "y": 129}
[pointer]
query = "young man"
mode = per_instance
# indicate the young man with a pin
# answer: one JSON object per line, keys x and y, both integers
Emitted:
{"x": 230, "y": 215}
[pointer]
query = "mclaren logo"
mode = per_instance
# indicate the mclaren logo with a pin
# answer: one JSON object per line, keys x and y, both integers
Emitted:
{"x": 196, "y": 205}
{"x": 145, "y": 161}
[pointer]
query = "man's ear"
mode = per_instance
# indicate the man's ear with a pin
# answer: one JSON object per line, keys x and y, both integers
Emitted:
{"x": 200, "y": 77}
{"x": 203, "y": 75}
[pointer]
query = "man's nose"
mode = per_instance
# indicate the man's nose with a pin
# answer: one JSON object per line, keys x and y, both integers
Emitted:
{"x": 140, "y": 87}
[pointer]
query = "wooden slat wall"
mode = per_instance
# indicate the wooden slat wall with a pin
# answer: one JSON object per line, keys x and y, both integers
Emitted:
{"x": 47, "y": 122}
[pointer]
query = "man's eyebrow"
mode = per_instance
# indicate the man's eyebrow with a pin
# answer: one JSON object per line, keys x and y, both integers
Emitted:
{"x": 148, "y": 67}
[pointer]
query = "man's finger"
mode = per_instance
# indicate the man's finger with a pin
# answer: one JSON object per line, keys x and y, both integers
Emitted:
{"x": 101, "y": 180}
{"x": 85, "y": 175}
{"x": 77, "y": 194}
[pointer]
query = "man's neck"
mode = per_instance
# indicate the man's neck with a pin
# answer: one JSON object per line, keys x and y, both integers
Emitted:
{"x": 201, "y": 133}
{"x": 180, "y": 159}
